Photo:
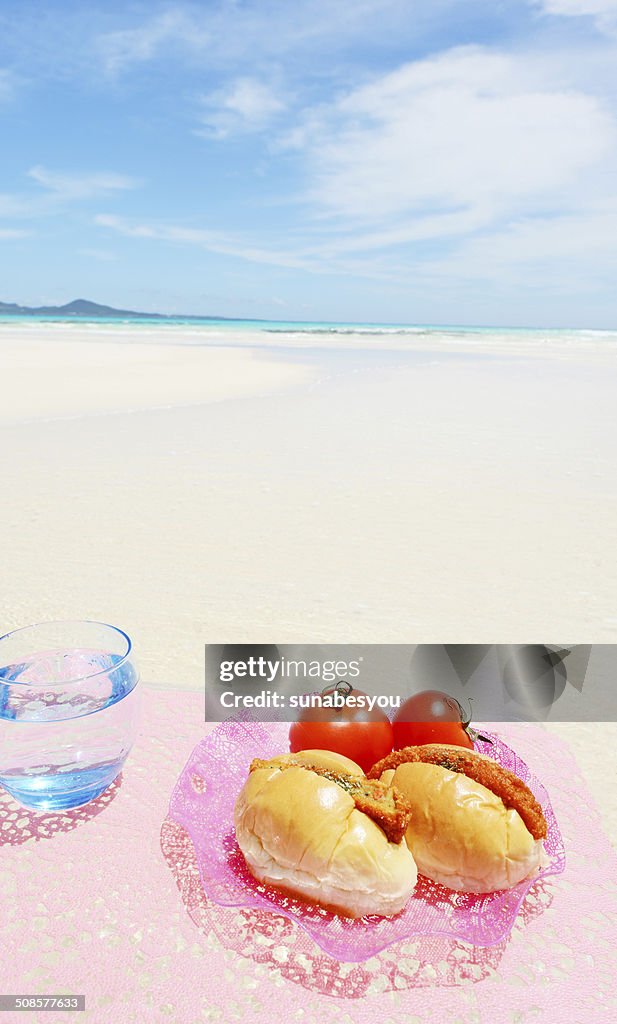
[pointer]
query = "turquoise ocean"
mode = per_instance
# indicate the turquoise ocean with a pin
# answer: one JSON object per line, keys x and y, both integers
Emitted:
{"x": 209, "y": 330}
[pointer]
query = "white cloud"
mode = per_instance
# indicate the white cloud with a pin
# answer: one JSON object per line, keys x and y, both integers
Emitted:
{"x": 58, "y": 190}
{"x": 6, "y": 84}
{"x": 473, "y": 165}
{"x": 468, "y": 134}
{"x": 80, "y": 186}
{"x": 242, "y": 34}
{"x": 566, "y": 254}
{"x": 575, "y": 8}
{"x": 245, "y": 105}
{"x": 214, "y": 241}
{"x": 127, "y": 47}
{"x": 9, "y": 233}
{"x": 302, "y": 257}
{"x": 603, "y": 12}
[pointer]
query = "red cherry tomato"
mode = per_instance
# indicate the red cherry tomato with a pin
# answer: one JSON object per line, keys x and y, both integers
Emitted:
{"x": 362, "y": 735}
{"x": 430, "y": 717}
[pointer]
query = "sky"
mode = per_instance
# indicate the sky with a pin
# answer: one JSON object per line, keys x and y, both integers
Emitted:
{"x": 393, "y": 161}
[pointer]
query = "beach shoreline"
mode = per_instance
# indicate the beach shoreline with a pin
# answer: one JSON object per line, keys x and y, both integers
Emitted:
{"x": 597, "y": 345}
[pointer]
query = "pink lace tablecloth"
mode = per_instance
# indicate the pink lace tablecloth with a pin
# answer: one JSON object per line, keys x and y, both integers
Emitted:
{"x": 106, "y": 901}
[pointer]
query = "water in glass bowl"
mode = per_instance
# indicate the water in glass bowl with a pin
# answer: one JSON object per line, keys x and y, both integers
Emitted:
{"x": 63, "y": 743}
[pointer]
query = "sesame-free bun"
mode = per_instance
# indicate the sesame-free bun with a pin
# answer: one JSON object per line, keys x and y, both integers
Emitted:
{"x": 328, "y": 759}
{"x": 461, "y": 833}
{"x": 302, "y": 833}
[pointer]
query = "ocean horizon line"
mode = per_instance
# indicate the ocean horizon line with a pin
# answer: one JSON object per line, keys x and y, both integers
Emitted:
{"x": 272, "y": 326}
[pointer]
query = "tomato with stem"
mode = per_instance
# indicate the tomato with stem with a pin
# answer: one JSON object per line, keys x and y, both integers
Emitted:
{"x": 432, "y": 716}
{"x": 350, "y": 729}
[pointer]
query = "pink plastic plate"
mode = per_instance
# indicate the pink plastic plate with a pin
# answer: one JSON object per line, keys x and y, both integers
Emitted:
{"x": 203, "y": 803}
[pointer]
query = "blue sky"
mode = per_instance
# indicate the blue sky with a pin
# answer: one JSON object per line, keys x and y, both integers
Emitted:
{"x": 423, "y": 161}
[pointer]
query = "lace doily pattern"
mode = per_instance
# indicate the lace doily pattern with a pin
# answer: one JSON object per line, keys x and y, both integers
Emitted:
{"x": 288, "y": 951}
{"x": 203, "y": 803}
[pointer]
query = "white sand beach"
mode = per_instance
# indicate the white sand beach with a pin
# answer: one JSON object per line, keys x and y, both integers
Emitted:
{"x": 52, "y": 378}
{"x": 288, "y": 490}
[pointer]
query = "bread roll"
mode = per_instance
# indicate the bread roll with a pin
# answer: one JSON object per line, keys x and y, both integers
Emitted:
{"x": 302, "y": 833}
{"x": 461, "y": 833}
{"x": 328, "y": 759}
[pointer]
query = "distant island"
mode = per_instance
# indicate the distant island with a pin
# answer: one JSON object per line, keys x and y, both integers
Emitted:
{"x": 83, "y": 307}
